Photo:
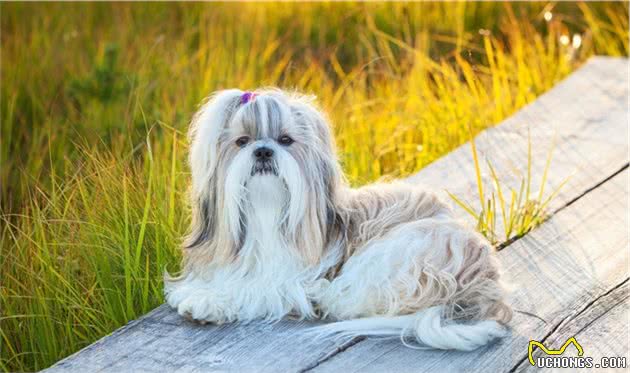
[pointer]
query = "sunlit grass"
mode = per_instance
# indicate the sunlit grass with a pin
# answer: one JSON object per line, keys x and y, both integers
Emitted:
{"x": 96, "y": 99}
{"x": 520, "y": 210}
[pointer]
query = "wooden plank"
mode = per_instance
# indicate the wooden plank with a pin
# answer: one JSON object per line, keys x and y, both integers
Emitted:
{"x": 601, "y": 329}
{"x": 586, "y": 116}
{"x": 557, "y": 271}
{"x": 163, "y": 341}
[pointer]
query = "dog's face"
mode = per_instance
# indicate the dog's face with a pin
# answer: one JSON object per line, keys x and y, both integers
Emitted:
{"x": 247, "y": 148}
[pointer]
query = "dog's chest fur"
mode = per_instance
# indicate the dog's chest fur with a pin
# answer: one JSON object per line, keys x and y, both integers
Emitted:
{"x": 267, "y": 279}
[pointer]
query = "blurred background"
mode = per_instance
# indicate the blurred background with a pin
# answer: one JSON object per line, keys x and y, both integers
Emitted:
{"x": 96, "y": 99}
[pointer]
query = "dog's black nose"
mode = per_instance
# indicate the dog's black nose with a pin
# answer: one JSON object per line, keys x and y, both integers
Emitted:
{"x": 263, "y": 153}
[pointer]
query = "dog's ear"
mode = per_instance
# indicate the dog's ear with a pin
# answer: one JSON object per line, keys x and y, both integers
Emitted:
{"x": 206, "y": 128}
{"x": 305, "y": 110}
{"x": 320, "y": 227}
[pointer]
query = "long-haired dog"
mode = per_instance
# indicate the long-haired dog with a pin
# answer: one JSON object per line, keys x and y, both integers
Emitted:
{"x": 277, "y": 231}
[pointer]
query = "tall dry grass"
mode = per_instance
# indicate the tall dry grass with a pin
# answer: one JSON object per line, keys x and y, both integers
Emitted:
{"x": 96, "y": 99}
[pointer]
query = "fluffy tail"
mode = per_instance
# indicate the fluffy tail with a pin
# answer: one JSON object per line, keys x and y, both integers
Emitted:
{"x": 426, "y": 327}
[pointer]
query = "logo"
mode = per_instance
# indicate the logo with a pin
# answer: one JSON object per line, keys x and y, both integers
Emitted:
{"x": 560, "y": 351}
{"x": 554, "y": 360}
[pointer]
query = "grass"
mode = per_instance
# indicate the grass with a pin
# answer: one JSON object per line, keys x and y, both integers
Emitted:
{"x": 520, "y": 211}
{"x": 95, "y": 99}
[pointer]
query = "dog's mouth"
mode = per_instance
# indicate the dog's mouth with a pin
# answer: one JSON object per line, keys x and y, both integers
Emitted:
{"x": 264, "y": 168}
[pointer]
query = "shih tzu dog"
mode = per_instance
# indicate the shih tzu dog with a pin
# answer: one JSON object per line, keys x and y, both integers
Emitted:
{"x": 278, "y": 232}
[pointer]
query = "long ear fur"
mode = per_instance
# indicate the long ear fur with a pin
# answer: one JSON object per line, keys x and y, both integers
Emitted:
{"x": 321, "y": 225}
{"x": 205, "y": 130}
{"x": 206, "y": 127}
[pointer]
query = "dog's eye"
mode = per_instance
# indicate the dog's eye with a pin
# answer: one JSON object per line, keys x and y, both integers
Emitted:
{"x": 242, "y": 141}
{"x": 285, "y": 140}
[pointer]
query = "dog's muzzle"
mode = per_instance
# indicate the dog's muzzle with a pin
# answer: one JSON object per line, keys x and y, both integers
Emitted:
{"x": 264, "y": 162}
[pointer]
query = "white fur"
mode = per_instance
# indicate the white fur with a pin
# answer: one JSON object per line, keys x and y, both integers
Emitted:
{"x": 426, "y": 328}
{"x": 388, "y": 259}
{"x": 267, "y": 281}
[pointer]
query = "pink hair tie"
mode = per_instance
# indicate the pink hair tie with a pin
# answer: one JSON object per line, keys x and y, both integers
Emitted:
{"x": 247, "y": 97}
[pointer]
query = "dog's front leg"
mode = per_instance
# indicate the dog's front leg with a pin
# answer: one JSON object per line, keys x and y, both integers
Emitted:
{"x": 199, "y": 301}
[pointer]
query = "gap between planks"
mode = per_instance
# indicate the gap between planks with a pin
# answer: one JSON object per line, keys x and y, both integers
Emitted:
{"x": 593, "y": 313}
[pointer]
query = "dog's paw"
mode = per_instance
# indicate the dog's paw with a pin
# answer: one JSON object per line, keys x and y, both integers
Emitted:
{"x": 198, "y": 303}
{"x": 189, "y": 317}
{"x": 202, "y": 309}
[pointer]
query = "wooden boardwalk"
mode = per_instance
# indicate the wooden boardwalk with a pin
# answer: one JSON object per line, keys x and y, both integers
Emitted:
{"x": 569, "y": 276}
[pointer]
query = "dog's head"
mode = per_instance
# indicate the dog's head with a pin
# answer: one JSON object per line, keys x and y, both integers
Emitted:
{"x": 246, "y": 145}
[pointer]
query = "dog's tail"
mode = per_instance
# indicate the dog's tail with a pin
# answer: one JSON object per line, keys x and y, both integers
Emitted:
{"x": 425, "y": 327}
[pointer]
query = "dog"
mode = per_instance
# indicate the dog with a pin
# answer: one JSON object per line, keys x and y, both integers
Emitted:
{"x": 278, "y": 232}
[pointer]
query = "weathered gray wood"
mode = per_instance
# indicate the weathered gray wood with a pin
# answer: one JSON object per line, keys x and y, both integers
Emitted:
{"x": 601, "y": 329}
{"x": 163, "y": 341}
{"x": 591, "y": 139}
{"x": 556, "y": 272}
{"x": 586, "y": 116}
